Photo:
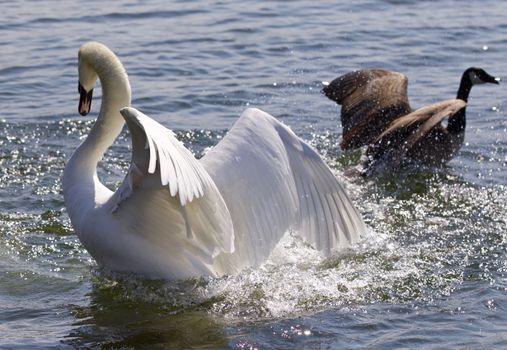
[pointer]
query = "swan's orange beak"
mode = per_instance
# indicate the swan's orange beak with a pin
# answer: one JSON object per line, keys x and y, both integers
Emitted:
{"x": 85, "y": 100}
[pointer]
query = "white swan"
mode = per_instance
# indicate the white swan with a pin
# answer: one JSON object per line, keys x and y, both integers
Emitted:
{"x": 176, "y": 217}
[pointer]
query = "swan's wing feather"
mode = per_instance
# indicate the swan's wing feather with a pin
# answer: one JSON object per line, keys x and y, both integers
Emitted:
{"x": 405, "y": 132}
{"x": 274, "y": 181}
{"x": 326, "y": 216}
{"x": 370, "y": 100}
{"x": 250, "y": 168}
{"x": 168, "y": 157}
{"x": 173, "y": 201}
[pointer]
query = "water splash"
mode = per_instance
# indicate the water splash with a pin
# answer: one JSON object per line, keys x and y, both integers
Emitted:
{"x": 431, "y": 231}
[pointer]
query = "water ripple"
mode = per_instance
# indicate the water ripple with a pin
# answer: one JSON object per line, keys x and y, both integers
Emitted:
{"x": 434, "y": 260}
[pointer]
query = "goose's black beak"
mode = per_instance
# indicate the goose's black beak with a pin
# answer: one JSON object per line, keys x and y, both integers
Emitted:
{"x": 85, "y": 100}
{"x": 492, "y": 79}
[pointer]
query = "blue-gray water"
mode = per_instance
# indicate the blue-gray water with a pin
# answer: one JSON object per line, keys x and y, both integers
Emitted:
{"x": 431, "y": 275}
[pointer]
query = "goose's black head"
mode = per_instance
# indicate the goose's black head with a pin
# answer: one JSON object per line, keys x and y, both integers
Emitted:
{"x": 479, "y": 76}
{"x": 474, "y": 76}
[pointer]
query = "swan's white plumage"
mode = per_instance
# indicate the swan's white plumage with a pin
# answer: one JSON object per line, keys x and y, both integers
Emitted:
{"x": 177, "y": 167}
{"x": 273, "y": 181}
{"x": 172, "y": 172}
{"x": 176, "y": 217}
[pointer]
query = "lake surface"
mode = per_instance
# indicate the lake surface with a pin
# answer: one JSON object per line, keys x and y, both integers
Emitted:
{"x": 432, "y": 272}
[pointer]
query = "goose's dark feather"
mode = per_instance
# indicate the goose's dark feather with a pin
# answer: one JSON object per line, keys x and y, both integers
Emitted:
{"x": 418, "y": 135}
{"x": 371, "y": 99}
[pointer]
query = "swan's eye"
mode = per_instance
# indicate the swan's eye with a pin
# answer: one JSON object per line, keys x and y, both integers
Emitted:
{"x": 79, "y": 88}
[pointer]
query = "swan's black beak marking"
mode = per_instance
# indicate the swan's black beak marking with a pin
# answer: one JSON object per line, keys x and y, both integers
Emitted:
{"x": 85, "y": 100}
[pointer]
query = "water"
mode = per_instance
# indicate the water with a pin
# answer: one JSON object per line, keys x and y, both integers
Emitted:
{"x": 431, "y": 275}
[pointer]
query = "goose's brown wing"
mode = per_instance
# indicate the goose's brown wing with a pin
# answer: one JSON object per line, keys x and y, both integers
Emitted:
{"x": 371, "y": 99}
{"x": 407, "y": 131}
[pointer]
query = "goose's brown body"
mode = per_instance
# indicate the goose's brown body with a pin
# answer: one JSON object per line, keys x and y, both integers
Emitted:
{"x": 376, "y": 113}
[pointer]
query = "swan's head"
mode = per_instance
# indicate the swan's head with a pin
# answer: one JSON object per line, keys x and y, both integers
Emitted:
{"x": 87, "y": 75}
{"x": 97, "y": 61}
{"x": 479, "y": 76}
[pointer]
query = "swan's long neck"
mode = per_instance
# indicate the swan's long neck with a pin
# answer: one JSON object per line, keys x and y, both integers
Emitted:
{"x": 115, "y": 95}
{"x": 81, "y": 186}
{"x": 457, "y": 123}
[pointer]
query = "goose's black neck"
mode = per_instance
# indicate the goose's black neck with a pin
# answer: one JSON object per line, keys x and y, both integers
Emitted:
{"x": 465, "y": 87}
{"x": 457, "y": 122}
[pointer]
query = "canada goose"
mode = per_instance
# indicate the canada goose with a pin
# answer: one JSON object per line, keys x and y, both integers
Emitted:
{"x": 376, "y": 112}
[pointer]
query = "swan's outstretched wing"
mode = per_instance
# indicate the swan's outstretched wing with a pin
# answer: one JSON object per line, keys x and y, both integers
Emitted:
{"x": 407, "y": 131}
{"x": 370, "y": 99}
{"x": 167, "y": 196}
{"x": 271, "y": 181}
